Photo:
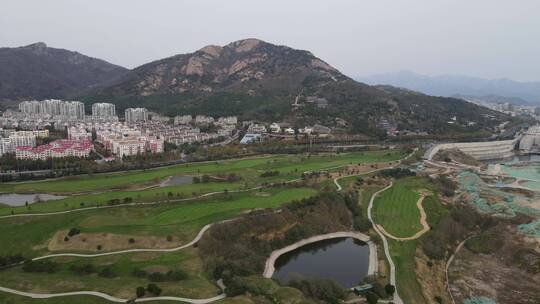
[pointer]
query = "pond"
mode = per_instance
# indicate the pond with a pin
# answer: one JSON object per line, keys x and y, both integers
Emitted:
{"x": 345, "y": 260}
{"x": 178, "y": 181}
{"x": 15, "y": 199}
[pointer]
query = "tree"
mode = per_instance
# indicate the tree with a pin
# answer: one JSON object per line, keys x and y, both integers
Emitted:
{"x": 153, "y": 289}
{"x": 372, "y": 298}
{"x": 390, "y": 289}
{"x": 205, "y": 178}
{"x": 140, "y": 291}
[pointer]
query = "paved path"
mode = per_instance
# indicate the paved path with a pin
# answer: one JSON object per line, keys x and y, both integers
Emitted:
{"x": 195, "y": 240}
{"x": 115, "y": 299}
{"x": 397, "y": 299}
{"x": 336, "y": 180}
{"x": 157, "y": 202}
{"x": 423, "y": 222}
{"x": 269, "y": 267}
{"x": 135, "y": 204}
{"x": 108, "y": 297}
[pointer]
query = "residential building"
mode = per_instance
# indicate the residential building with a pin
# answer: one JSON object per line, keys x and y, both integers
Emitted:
{"x": 103, "y": 110}
{"x": 183, "y": 119}
{"x": 256, "y": 129}
{"x": 133, "y": 115}
{"x": 79, "y": 133}
{"x": 203, "y": 120}
{"x": 56, "y": 149}
{"x": 229, "y": 120}
{"x": 275, "y": 128}
{"x": 53, "y": 107}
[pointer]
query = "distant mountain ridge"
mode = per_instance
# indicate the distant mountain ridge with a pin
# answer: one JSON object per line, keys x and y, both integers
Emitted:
{"x": 250, "y": 78}
{"x": 451, "y": 85}
{"x": 37, "y": 71}
{"x": 259, "y": 80}
{"x": 248, "y": 64}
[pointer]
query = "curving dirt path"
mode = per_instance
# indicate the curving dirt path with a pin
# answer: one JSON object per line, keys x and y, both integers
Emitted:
{"x": 423, "y": 222}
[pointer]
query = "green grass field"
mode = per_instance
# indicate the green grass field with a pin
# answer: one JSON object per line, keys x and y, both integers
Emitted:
{"x": 395, "y": 209}
{"x": 403, "y": 253}
{"x": 289, "y": 166}
{"x": 29, "y": 235}
{"x": 123, "y": 285}
{"x": 181, "y": 220}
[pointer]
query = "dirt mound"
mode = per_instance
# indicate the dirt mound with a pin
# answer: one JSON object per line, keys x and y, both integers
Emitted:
{"x": 103, "y": 242}
{"x": 457, "y": 156}
{"x": 504, "y": 268}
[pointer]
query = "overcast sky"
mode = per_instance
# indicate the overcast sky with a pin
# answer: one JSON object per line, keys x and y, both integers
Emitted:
{"x": 485, "y": 38}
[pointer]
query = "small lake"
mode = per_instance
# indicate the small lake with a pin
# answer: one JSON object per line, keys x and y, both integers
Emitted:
{"x": 345, "y": 260}
{"x": 178, "y": 181}
{"x": 15, "y": 199}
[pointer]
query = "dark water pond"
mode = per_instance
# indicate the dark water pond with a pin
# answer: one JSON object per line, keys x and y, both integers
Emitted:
{"x": 15, "y": 199}
{"x": 345, "y": 260}
{"x": 179, "y": 181}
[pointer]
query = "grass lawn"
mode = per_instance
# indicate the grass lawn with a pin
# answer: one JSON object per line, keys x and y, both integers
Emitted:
{"x": 403, "y": 256}
{"x": 403, "y": 253}
{"x": 395, "y": 209}
{"x": 123, "y": 285}
{"x": 289, "y": 166}
{"x": 101, "y": 199}
{"x": 30, "y": 235}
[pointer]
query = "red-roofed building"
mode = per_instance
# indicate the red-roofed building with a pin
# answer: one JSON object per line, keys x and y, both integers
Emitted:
{"x": 56, "y": 149}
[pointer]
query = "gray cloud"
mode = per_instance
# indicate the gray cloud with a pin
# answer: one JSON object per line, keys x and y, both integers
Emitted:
{"x": 485, "y": 38}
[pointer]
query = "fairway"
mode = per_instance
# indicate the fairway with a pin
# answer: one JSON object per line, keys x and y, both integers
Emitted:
{"x": 124, "y": 282}
{"x": 289, "y": 166}
{"x": 30, "y": 235}
{"x": 396, "y": 211}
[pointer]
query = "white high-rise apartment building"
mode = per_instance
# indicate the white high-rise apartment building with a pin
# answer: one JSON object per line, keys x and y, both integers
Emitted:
{"x": 101, "y": 110}
{"x": 54, "y": 107}
{"x": 133, "y": 115}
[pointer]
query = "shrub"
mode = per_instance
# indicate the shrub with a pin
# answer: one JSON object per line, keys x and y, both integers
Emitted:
{"x": 84, "y": 269}
{"x": 177, "y": 275}
{"x": 269, "y": 173}
{"x": 39, "y": 266}
{"x": 153, "y": 289}
{"x": 139, "y": 273}
{"x": 10, "y": 260}
{"x": 140, "y": 292}
{"x": 390, "y": 289}
{"x": 372, "y": 298}
{"x": 322, "y": 289}
{"x": 107, "y": 272}
{"x": 73, "y": 231}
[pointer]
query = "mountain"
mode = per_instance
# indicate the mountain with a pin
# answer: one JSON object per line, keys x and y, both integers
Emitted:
{"x": 37, "y": 71}
{"x": 494, "y": 99}
{"x": 450, "y": 85}
{"x": 259, "y": 80}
